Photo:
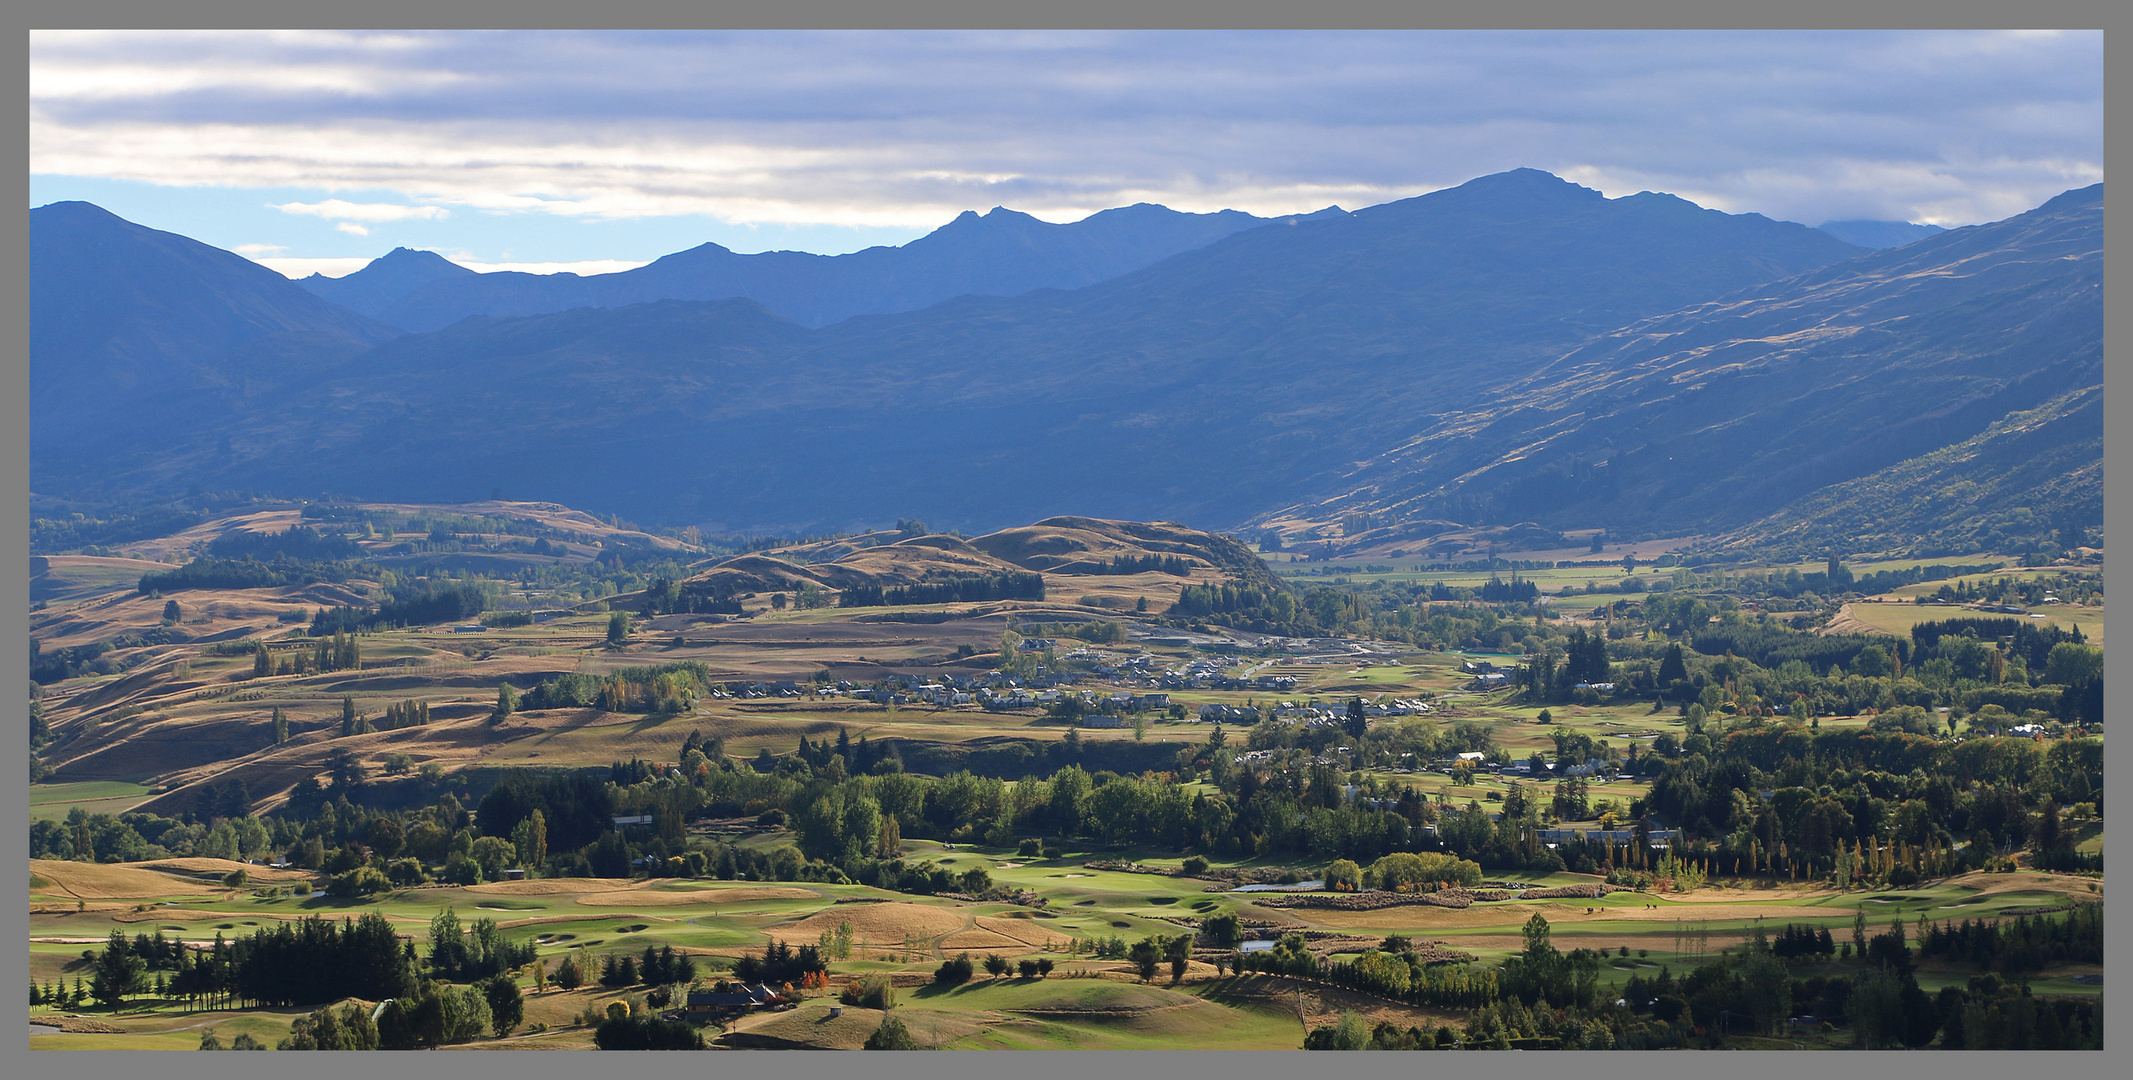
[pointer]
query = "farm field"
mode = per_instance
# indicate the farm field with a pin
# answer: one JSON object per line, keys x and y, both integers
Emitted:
{"x": 185, "y": 723}
{"x": 1896, "y": 615}
{"x": 55, "y": 801}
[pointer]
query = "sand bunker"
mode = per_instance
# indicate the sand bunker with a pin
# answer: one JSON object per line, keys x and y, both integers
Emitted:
{"x": 873, "y": 924}
{"x": 676, "y": 897}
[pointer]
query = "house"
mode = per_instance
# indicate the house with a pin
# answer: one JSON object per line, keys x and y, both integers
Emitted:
{"x": 514, "y": 875}
{"x": 704, "y": 1004}
{"x": 1101, "y": 722}
{"x": 1474, "y": 756}
{"x": 623, "y": 821}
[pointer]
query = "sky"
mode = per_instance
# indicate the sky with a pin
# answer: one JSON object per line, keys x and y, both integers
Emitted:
{"x": 599, "y": 150}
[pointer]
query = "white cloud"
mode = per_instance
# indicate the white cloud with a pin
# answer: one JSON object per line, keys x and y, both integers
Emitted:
{"x": 253, "y": 251}
{"x": 305, "y": 267}
{"x": 583, "y": 266}
{"x": 352, "y": 229}
{"x": 343, "y": 266}
{"x": 342, "y": 210}
{"x": 905, "y": 129}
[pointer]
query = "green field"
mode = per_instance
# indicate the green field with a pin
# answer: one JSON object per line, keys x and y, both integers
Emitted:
{"x": 55, "y": 801}
{"x": 1088, "y": 1003}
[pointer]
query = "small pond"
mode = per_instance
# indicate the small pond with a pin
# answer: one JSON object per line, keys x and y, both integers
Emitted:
{"x": 1301, "y": 886}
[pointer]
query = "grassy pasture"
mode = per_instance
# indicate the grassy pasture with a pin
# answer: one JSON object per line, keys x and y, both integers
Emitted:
{"x": 907, "y": 935}
{"x": 55, "y": 801}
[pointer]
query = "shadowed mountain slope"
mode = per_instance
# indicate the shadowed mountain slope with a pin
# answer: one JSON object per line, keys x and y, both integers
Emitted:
{"x": 132, "y": 330}
{"x": 1727, "y": 412}
{"x": 1214, "y": 384}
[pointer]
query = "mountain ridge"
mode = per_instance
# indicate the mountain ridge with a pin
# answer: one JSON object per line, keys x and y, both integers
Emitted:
{"x": 1517, "y": 348}
{"x": 1001, "y": 252}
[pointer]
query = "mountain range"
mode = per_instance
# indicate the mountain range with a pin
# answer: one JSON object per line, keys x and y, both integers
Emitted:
{"x": 1000, "y": 253}
{"x": 1517, "y": 348}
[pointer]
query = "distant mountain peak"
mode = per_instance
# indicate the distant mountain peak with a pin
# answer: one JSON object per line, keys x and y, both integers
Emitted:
{"x": 385, "y": 280}
{"x": 1528, "y": 180}
{"x": 1879, "y": 234}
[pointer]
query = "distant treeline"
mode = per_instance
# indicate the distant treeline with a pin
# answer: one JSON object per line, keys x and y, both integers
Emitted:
{"x": 2026, "y": 943}
{"x": 50, "y": 536}
{"x": 1497, "y": 591}
{"x": 665, "y": 688}
{"x": 1174, "y": 565}
{"x": 212, "y": 573}
{"x": 299, "y": 543}
{"x": 1008, "y": 585}
{"x": 2025, "y": 639}
{"x": 435, "y": 603}
{"x": 1770, "y": 646}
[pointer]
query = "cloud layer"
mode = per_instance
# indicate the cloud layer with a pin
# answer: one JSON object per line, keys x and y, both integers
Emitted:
{"x": 906, "y": 128}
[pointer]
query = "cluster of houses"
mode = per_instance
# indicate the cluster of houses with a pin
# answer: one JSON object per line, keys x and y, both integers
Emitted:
{"x": 1658, "y": 838}
{"x": 1107, "y": 705}
{"x": 1319, "y": 714}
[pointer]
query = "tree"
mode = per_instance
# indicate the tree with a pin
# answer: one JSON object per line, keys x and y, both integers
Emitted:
{"x": 1356, "y": 723}
{"x": 1352, "y": 1032}
{"x": 1672, "y": 668}
{"x": 646, "y": 1033}
{"x": 1343, "y": 875}
{"x": 507, "y": 1009}
{"x": 1146, "y": 956}
{"x": 995, "y": 965}
{"x": 891, "y": 1035}
{"x": 529, "y": 839}
{"x": 954, "y": 972}
{"x": 118, "y": 972}
{"x": 618, "y": 628}
{"x": 568, "y": 974}
{"x": 506, "y": 702}
{"x": 1224, "y": 930}
{"x": 1178, "y": 950}
{"x": 171, "y": 613}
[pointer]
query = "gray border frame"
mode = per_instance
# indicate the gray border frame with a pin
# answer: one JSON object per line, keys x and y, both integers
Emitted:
{"x": 1366, "y": 14}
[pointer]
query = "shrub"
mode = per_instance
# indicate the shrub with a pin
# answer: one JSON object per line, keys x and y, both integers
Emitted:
{"x": 1030, "y": 848}
{"x": 1194, "y": 865}
{"x": 872, "y": 992}
{"x": 644, "y": 1033}
{"x": 361, "y": 881}
{"x": 891, "y": 1035}
{"x": 955, "y": 972}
